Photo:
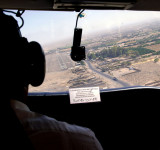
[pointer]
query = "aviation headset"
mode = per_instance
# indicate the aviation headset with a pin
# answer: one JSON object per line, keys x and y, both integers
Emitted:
{"x": 28, "y": 57}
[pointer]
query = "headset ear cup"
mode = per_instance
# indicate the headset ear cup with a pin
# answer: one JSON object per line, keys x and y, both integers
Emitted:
{"x": 37, "y": 64}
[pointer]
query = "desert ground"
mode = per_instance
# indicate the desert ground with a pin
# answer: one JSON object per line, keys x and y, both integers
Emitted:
{"x": 141, "y": 74}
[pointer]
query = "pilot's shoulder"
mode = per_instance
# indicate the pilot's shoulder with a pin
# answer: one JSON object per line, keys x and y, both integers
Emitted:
{"x": 61, "y": 126}
{"x": 49, "y": 131}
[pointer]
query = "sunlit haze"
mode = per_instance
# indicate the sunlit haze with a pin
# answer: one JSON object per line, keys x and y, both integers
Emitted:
{"x": 52, "y": 28}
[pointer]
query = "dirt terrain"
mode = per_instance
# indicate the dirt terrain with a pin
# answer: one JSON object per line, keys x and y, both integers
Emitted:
{"x": 62, "y": 73}
{"x": 58, "y": 79}
{"x": 54, "y": 82}
{"x": 74, "y": 77}
{"x": 148, "y": 72}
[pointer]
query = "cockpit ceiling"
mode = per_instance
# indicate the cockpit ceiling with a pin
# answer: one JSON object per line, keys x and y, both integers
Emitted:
{"x": 71, "y": 5}
{"x": 93, "y": 4}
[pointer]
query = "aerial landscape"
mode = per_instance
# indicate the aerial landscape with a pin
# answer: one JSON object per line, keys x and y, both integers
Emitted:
{"x": 123, "y": 57}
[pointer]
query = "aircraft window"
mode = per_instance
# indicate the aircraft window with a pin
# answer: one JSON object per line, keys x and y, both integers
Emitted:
{"x": 122, "y": 48}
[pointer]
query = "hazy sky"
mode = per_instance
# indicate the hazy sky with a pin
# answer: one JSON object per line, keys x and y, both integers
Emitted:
{"x": 49, "y": 27}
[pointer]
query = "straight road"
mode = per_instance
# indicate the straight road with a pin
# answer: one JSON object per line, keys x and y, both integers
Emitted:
{"x": 122, "y": 83}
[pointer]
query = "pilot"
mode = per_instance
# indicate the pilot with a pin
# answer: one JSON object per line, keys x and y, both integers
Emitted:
{"x": 24, "y": 64}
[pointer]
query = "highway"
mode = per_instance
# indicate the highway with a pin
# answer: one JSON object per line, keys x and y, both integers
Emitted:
{"x": 122, "y": 83}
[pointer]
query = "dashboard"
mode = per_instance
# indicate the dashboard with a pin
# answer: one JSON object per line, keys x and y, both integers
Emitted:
{"x": 125, "y": 118}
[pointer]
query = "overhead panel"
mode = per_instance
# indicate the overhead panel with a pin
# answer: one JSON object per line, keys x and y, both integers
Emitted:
{"x": 93, "y": 4}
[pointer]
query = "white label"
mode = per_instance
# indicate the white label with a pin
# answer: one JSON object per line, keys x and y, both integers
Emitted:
{"x": 84, "y": 95}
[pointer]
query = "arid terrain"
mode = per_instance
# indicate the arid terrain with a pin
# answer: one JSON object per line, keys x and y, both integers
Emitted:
{"x": 63, "y": 73}
{"x": 114, "y": 60}
{"x": 143, "y": 74}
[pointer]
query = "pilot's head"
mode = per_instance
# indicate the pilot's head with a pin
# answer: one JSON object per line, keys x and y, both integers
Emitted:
{"x": 22, "y": 62}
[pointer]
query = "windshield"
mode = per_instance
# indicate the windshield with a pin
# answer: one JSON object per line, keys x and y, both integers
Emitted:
{"x": 122, "y": 48}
